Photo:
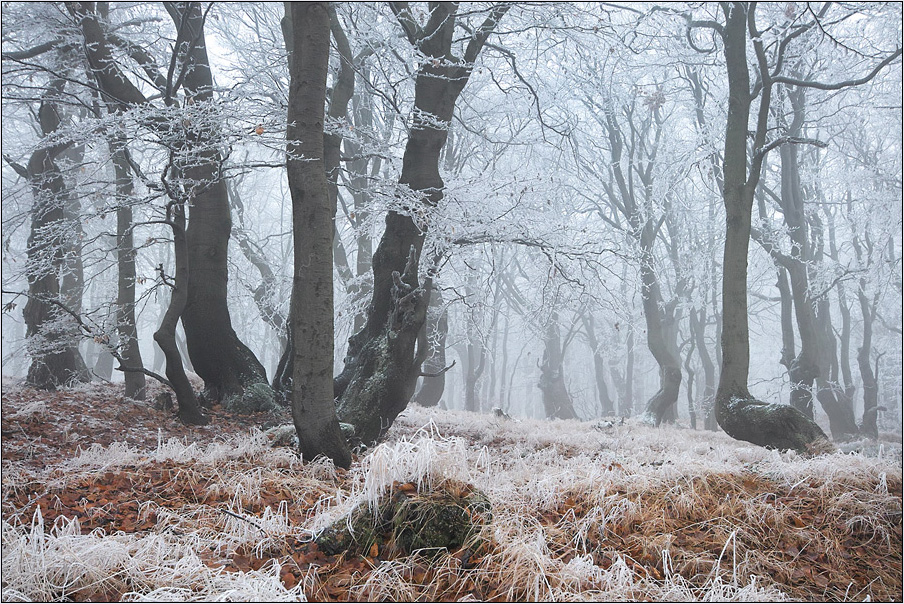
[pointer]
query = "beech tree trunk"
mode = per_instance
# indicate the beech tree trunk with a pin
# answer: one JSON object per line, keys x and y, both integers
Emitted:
{"x": 342, "y": 92}
{"x": 638, "y": 210}
{"x": 313, "y": 410}
{"x": 189, "y": 410}
{"x": 662, "y": 334}
{"x": 870, "y": 384}
{"x": 738, "y": 413}
{"x": 708, "y": 394}
{"x": 135, "y": 383}
{"x": 811, "y": 370}
{"x": 381, "y": 367}
{"x": 607, "y": 407}
{"x": 52, "y": 333}
{"x": 217, "y": 354}
{"x": 435, "y": 329}
{"x": 556, "y": 400}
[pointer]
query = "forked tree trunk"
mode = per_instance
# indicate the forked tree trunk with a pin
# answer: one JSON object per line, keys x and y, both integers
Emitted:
{"x": 313, "y": 410}
{"x": 810, "y": 372}
{"x": 637, "y": 208}
{"x": 381, "y": 367}
{"x": 738, "y": 413}
{"x": 218, "y": 356}
{"x": 224, "y": 363}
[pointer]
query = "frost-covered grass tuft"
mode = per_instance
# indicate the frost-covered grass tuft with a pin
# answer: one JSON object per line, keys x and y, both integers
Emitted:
{"x": 62, "y": 563}
{"x": 581, "y": 512}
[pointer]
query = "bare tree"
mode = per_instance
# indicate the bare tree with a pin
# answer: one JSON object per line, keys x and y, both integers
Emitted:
{"x": 381, "y": 367}
{"x": 312, "y": 224}
{"x": 740, "y": 414}
{"x": 56, "y": 360}
{"x": 218, "y": 356}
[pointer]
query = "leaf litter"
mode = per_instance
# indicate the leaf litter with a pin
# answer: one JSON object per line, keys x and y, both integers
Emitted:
{"x": 109, "y": 499}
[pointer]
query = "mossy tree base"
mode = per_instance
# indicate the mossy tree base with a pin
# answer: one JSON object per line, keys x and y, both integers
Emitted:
{"x": 770, "y": 425}
{"x": 405, "y": 521}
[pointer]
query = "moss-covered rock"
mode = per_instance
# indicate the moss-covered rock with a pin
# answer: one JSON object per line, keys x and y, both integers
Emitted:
{"x": 256, "y": 398}
{"x": 405, "y": 521}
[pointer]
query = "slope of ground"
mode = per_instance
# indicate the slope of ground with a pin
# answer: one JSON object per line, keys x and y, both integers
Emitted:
{"x": 110, "y": 499}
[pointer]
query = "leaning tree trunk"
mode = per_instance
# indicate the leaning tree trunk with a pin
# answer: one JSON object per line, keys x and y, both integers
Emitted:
{"x": 381, "y": 367}
{"x": 217, "y": 354}
{"x": 313, "y": 410}
{"x": 738, "y": 413}
{"x": 165, "y": 336}
{"x": 52, "y": 334}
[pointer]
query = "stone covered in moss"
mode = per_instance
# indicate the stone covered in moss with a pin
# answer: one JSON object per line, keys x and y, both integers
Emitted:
{"x": 406, "y": 520}
{"x": 256, "y": 398}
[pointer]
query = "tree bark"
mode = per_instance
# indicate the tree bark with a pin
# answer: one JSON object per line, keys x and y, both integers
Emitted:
{"x": 870, "y": 384}
{"x": 135, "y": 386}
{"x": 661, "y": 318}
{"x": 381, "y": 367}
{"x": 218, "y": 356}
{"x": 698, "y": 332}
{"x": 811, "y": 371}
{"x": 189, "y": 410}
{"x": 607, "y": 407}
{"x": 313, "y": 410}
{"x": 52, "y": 335}
{"x": 225, "y": 364}
{"x": 689, "y": 371}
{"x": 434, "y": 331}
{"x": 556, "y": 400}
{"x": 342, "y": 91}
{"x": 738, "y": 413}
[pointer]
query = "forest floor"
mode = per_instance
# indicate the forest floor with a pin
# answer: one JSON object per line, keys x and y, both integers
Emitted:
{"x": 105, "y": 498}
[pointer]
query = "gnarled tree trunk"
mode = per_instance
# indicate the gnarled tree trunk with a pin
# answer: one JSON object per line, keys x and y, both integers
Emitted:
{"x": 381, "y": 367}
{"x": 52, "y": 333}
{"x": 556, "y": 400}
{"x": 188, "y": 408}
